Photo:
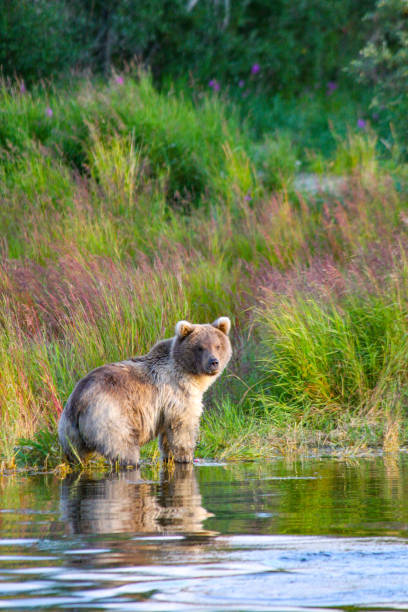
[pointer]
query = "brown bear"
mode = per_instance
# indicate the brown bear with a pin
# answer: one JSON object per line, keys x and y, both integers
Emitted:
{"x": 118, "y": 407}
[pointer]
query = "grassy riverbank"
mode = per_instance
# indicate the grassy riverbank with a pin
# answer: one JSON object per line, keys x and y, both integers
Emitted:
{"x": 125, "y": 210}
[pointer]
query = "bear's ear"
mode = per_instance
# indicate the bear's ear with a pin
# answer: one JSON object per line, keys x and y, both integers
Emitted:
{"x": 183, "y": 328}
{"x": 223, "y": 324}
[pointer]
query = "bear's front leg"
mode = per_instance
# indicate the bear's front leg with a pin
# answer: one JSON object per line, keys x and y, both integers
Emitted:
{"x": 181, "y": 440}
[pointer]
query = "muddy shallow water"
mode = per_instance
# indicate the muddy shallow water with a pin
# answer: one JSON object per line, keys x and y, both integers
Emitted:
{"x": 312, "y": 534}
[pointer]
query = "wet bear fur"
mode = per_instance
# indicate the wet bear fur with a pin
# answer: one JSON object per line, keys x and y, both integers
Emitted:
{"x": 118, "y": 407}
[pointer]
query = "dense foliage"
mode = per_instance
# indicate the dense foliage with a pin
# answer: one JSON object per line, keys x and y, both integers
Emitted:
{"x": 383, "y": 63}
{"x": 291, "y": 44}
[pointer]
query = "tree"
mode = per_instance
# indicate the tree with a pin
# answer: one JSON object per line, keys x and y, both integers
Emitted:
{"x": 383, "y": 62}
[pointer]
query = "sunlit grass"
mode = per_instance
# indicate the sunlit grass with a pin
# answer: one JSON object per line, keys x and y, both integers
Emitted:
{"x": 128, "y": 209}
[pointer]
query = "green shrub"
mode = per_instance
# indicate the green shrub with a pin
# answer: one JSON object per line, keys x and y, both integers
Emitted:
{"x": 268, "y": 45}
{"x": 36, "y": 38}
{"x": 383, "y": 64}
{"x": 276, "y": 159}
{"x": 355, "y": 153}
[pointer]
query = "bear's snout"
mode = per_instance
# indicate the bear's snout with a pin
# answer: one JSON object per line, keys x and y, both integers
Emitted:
{"x": 212, "y": 365}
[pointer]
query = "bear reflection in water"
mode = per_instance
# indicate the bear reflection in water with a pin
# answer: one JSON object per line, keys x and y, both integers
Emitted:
{"x": 124, "y": 502}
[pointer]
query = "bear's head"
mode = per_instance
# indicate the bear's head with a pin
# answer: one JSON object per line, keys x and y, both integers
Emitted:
{"x": 202, "y": 350}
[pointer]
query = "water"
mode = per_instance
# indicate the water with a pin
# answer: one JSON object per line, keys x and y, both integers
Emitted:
{"x": 316, "y": 534}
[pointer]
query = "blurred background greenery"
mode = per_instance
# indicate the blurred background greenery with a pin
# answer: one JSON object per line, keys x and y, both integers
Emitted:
{"x": 294, "y": 44}
{"x": 259, "y": 53}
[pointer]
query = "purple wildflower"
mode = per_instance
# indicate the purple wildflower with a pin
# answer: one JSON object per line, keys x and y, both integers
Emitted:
{"x": 120, "y": 80}
{"x": 331, "y": 86}
{"x": 49, "y": 112}
{"x": 212, "y": 83}
{"x": 248, "y": 197}
{"x": 241, "y": 83}
{"x": 22, "y": 87}
{"x": 255, "y": 69}
{"x": 216, "y": 86}
{"x": 361, "y": 123}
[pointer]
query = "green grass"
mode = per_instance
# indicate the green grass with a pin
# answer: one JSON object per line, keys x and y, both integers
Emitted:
{"x": 335, "y": 357}
{"x": 128, "y": 209}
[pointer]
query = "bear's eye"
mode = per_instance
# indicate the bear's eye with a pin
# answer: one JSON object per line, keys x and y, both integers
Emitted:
{"x": 200, "y": 349}
{"x": 217, "y": 348}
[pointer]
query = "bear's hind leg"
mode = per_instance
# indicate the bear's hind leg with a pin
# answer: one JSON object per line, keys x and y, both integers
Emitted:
{"x": 107, "y": 433}
{"x": 72, "y": 444}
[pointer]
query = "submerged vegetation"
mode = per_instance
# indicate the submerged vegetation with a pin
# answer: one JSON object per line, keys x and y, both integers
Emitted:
{"x": 125, "y": 209}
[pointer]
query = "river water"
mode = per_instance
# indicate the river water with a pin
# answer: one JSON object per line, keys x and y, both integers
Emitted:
{"x": 311, "y": 534}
